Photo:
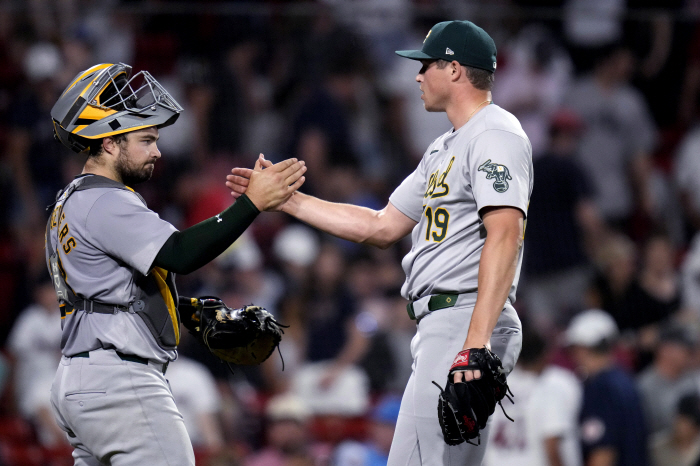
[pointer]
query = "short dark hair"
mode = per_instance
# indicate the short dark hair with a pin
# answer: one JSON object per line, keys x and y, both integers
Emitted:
{"x": 96, "y": 149}
{"x": 480, "y": 79}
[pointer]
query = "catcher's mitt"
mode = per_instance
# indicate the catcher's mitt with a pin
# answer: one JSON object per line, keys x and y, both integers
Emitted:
{"x": 464, "y": 407}
{"x": 244, "y": 336}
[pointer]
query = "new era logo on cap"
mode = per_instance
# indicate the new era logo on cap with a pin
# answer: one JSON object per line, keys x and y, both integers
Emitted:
{"x": 449, "y": 51}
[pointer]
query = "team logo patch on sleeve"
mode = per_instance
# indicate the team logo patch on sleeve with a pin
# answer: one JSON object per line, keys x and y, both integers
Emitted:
{"x": 499, "y": 173}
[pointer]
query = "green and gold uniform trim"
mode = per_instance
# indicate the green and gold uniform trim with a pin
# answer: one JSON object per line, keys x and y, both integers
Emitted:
{"x": 161, "y": 276}
{"x": 436, "y": 302}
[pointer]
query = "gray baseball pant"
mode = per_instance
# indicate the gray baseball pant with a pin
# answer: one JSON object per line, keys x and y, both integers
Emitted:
{"x": 418, "y": 438}
{"x": 118, "y": 413}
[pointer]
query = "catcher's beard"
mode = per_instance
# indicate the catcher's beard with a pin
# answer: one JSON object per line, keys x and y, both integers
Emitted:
{"x": 131, "y": 173}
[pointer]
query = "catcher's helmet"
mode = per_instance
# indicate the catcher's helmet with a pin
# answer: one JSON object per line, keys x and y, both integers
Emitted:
{"x": 106, "y": 100}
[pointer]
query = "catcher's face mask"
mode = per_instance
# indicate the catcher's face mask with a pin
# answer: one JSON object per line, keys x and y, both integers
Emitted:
{"x": 106, "y": 100}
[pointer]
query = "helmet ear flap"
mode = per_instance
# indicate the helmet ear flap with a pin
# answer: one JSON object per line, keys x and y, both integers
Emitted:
{"x": 73, "y": 142}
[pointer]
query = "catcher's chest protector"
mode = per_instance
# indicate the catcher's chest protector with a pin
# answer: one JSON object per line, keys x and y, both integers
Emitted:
{"x": 156, "y": 293}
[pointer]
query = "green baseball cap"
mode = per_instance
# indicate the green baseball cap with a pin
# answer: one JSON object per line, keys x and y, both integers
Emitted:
{"x": 463, "y": 41}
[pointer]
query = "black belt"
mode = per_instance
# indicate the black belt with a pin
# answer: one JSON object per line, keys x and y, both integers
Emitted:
{"x": 101, "y": 308}
{"x": 124, "y": 357}
{"x": 436, "y": 302}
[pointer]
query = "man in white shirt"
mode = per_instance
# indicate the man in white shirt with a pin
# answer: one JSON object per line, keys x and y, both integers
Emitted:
{"x": 546, "y": 413}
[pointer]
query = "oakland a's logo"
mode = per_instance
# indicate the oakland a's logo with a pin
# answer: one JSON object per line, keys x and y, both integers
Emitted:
{"x": 499, "y": 172}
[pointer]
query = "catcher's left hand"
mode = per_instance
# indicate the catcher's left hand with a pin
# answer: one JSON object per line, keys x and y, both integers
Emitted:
{"x": 244, "y": 336}
{"x": 464, "y": 407}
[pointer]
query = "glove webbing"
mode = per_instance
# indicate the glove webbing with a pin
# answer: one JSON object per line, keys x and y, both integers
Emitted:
{"x": 205, "y": 338}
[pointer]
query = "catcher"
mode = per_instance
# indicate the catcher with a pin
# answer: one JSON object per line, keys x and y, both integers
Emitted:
{"x": 113, "y": 263}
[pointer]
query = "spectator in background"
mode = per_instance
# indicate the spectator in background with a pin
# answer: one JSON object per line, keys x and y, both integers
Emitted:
{"x": 666, "y": 52}
{"x": 670, "y": 376}
{"x": 35, "y": 344}
{"x": 591, "y": 25}
{"x": 333, "y": 336}
{"x": 532, "y": 83}
{"x": 247, "y": 280}
{"x": 383, "y": 24}
{"x": 50, "y": 20}
{"x": 616, "y": 263}
{"x": 409, "y": 126}
{"x": 658, "y": 294}
{"x": 241, "y": 108}
{"x": 612, "y": 421}
{"x": 618, "y": 139}
{"x": 562, "y": 221}
{"x": 679, "y": 445}
{"x": 375, "y": 450}
{"x": 388, "y": 358}
{"x": 335, "y": 123}
{"x": 198, "y": 400}
{"x": 233, "y": 93}
{"x": 690, "y": 278}
{"x": 654, "y": 296}
{"x": 686, "y": 176}
{"x": 640, "y": 301}
{"x": 295, "y": 248}
{"x": 545, "y": 432}
{"x": 287, "y": 439}
{"x": 34, "y": 157}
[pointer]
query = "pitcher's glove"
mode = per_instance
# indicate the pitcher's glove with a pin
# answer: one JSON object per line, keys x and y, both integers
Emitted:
{"x": 244, "y": 336}
{"x": 464, "y": 407}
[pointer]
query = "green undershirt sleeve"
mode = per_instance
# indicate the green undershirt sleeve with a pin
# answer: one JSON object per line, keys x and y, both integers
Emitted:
{"x": 187, "y": 250}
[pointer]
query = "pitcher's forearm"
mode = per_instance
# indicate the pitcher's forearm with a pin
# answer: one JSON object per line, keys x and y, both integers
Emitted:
{"x": 497, "y": 267}
{"x": 496, "y": 274}
{"x": 346, "y": 221}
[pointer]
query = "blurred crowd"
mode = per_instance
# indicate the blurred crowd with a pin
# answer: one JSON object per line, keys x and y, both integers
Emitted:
{"x": 608, "y": 92}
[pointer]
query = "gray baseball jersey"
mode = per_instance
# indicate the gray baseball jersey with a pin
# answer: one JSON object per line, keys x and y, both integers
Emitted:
{"x": 486, "y": 162}
{"x": 105, "y": 239}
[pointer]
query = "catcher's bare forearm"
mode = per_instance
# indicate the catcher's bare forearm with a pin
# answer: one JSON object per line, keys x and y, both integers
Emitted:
{"x": 354, "y": 223}
{"x": 499, "y": 261}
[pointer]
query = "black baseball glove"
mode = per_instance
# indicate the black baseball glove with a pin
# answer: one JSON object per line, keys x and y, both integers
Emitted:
{"x": 464, "y": 407}
{"x": 244, "y": 336}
